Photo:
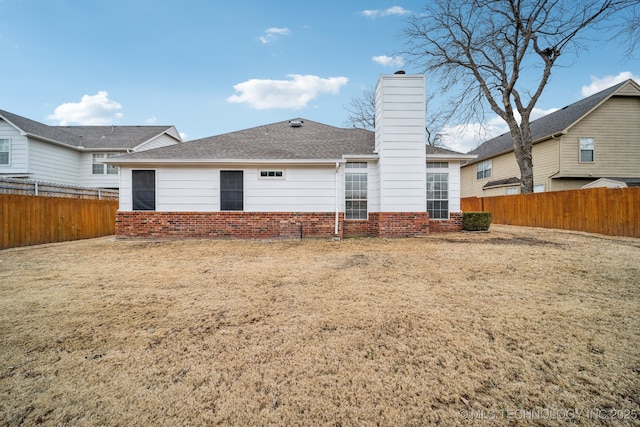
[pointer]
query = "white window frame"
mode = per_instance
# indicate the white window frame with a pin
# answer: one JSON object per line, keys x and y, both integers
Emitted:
{"x": 484, "y": 169}
{"x": 586, "y": 141}
{"x": 443, "y": 172}
{"x": 510, "y": 191}
{"x": 106, "y": 169}
{"x": 353, "y": 169}
{"x": 271, "y": 174}
{"x": 6, "y": 141}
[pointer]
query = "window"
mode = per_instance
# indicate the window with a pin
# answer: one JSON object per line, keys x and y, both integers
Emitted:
{"x": 99, "y": 168}
{"x": 483, "y": 169}
{"x": 231, "y": 191}
{"x": 538, "y": 188}
{"x": 509, "y": 191}
{"x": 355, "y": 184}
{"x": 438, "y": 195}
{"x": 143, "y": 186}
{"x": 437, "y": 165}
{"x": 271, "y": 174}
{"x": 5, "y": 149}
{"x": 587, "y": 146}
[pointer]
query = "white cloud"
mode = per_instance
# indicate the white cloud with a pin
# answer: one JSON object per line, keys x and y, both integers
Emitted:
{"x": 464, "y": 138}
{"x": 272, "y": 34}
{"x": 393, "y": 10}
{"x": 389, "y": 61}
{"x": 294, "y": 93}
{"x": 184, "y": 136}
{"x": 92, "y": 110}
{"x": 151, "y": 120}
{"x": 600, "y": 84}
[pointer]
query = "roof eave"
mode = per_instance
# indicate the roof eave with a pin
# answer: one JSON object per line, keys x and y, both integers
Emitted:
{"x": 196, "y": 162}
{"x": 452, "y": 156}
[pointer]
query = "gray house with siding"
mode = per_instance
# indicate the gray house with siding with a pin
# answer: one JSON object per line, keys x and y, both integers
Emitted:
{"x": 72, "y": 155}
{"x": 299, "y": 177}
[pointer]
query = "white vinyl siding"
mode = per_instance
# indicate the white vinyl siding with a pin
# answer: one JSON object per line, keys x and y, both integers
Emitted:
{"x": 162, "y": 140}
{"x": 400, "y": 143}
{"x": 18, "y": 147}
{"x": 50, "y": 162}
{"x": 197, "y": 189}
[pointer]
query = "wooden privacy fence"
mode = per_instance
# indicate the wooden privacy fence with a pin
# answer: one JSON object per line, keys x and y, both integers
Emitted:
{"x": 31, "y": 220}
{"x": 610, "y": 211}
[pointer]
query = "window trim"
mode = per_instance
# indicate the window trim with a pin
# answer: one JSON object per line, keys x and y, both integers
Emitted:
{"x": 241, "y": 171}
{"x": 8, "y": 142}
{"x": 448, "y": 199}
{"x": 155, "y": 189}
{"x": 356, "y": 168}
{"x": 587, "y": 139}
{"x": 482, "y": 169}
{"x": 271, "y": 174}
{"x": 105, "y": 167}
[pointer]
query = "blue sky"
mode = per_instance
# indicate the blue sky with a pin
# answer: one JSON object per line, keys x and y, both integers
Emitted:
{"x": 212, "y": 67}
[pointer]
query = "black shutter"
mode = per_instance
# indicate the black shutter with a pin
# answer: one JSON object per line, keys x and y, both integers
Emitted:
{"x": 143, "y": 185}
{"x": 231, "y": 191}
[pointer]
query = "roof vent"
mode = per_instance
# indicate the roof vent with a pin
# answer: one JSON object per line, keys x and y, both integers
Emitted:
{"x": 295, "y": 123}
{"x": 399, "y": 72}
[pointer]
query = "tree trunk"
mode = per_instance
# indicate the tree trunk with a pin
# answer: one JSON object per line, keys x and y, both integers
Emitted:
{"x": 522, "y": 146}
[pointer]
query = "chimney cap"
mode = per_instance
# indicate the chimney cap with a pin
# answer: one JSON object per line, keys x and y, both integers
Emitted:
{"x": 399, "y": 72}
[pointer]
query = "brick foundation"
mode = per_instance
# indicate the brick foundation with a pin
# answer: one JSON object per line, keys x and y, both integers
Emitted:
{"x": 454, "y": 224}
{"x": 268, "y": 225}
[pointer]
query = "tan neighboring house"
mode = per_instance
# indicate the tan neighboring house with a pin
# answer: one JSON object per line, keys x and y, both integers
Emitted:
{"x": 595, "y": 140}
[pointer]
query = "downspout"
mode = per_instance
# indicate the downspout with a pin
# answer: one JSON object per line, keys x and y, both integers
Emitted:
{"x": 337, "y": 200}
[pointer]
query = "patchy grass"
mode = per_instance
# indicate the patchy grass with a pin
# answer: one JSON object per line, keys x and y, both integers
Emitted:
{"x": 452, "y": 329}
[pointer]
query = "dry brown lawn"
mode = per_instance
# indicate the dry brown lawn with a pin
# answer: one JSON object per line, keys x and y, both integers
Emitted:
{"x": 517, "y": 326}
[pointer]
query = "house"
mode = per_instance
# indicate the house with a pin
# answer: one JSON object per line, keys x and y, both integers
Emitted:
{"x": 72, "y": 155}
{"x": 299, "y": 178}
{"x": 596, "y": 137}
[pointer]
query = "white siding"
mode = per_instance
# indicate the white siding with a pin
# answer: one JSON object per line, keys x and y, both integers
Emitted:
{"x": 400, "y": 143}
{"x": 19, "y": 155}
{"x": 303, "y": 189}
{"x": 159, "y": 141}
{"x": 197, "y": 189}
{"x": 454, "y": 186}
{"x": 88, "y": 179}
{"x": 50, "y": 162}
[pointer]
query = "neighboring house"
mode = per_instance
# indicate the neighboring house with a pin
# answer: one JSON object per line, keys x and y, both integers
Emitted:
{"x": 72, "y": 155}
{"x": 596, "y": 137}
{"x": 299, "y": 178}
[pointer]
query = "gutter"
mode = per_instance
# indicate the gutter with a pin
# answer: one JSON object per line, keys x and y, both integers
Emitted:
{"x": 337, "y": 199}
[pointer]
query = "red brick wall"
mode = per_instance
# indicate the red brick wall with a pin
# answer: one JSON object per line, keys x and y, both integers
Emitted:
{"x": 454, "y": 224}
{"x": 263, "y": 225}
{"x": 256, "y": 225}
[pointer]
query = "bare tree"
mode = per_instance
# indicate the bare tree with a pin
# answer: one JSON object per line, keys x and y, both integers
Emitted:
{"x": 363, "y": 116}
{"x": 362, "y": 111}
{"x": 500, "y": 53}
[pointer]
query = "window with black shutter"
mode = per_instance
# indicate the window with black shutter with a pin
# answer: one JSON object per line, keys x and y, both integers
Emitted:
{"x": 143, "y": 186}
{"x": 231, "y": 191}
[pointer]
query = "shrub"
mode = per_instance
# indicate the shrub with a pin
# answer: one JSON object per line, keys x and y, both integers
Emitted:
{"x": 476, "y": 221}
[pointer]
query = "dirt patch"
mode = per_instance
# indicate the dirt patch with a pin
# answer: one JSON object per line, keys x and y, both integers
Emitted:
{"x": 517, "y": 326}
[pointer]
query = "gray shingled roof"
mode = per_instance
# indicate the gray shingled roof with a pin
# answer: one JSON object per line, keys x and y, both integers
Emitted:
{"x": 102, "y": 137}
{"x": 548, "y": 125}
{"x": 88, "y": 137}
{"x": 276, "y": 141}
